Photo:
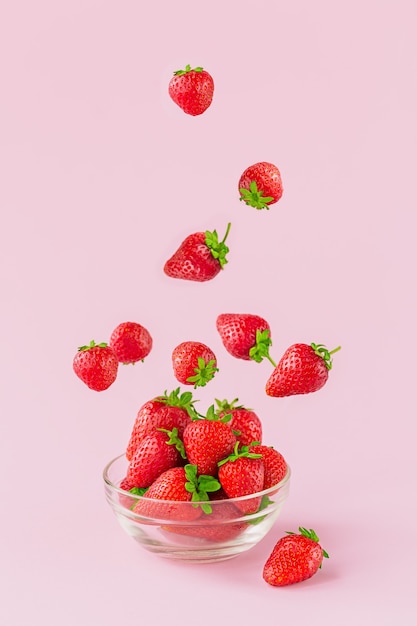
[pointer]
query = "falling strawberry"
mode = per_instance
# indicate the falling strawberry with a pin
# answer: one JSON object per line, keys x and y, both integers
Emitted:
{"x": 295, "y": 557}
{"x": 131, "y": 342}
{"x": 194, "y": 363}
{"x": 242, "y": 474}
{"x": 245, "y": 336}
{"x": 275, "y": 466}
{"x": 302, "y": 369}
{"x": 173, "y": 410}
{"x": 192, "y": 90}
{"x": 244, "y": 422}
{"x": 200, "y": 257}
{"x": 96, "y": 365}
{"x": 156, "y": 453}
{"x": 260, "y": 185}
{"x": 208, "y": 440}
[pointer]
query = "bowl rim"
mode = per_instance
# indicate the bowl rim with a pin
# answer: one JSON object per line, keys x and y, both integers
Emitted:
{"x": 123, "y": 492}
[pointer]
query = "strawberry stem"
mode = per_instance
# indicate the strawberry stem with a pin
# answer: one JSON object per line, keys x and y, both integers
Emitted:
{"x": 254, "y": 197}
{"x": 217, "y": 248}
{"x": 261, "y": 348}
{"x": 324, "y": 353}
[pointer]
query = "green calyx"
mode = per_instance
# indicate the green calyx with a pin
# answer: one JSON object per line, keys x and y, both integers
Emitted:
{"x": 213, "y": 416}
{"x": 187, "y": 69}
{"x": 92, "y": 344}
{"x": 174, "y": 440}
{"x": 260, "y": 350}
{"x": 224, "y": 405}
{"x": 310, "y": 534}
{"x": 200, "y": 487}
{"x": 183, "y": 401}
{"x": 218, "y": 248}
{"x": 204, "y": 372}
{"x": 324, "y": 353}
{"x": 138, "y": 491}
{"x": 244, "y": 452}
{"x": 254, "y": 197}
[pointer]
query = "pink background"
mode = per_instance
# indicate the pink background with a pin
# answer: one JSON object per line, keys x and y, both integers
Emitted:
{"x": 101, "y": 177}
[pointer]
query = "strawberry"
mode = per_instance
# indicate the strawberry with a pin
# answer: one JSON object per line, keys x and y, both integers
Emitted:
{"x": 96, "y": 365}
{"x": 156, "y": 453}
{"x": 302, "y": 369}
{"x": 167, "y": 411}
{"x": 217, "y": 526}
{"x": 192, "y": 90}
{"x": 275, "y": 466}
{"x": 178, "y": 484}
{"x": 245, "y": 336}
{"x": 194, "y": 363}
{"x": 131, "y": 342}
{"x": 127, "y": 500}
{"x": 200, "y": 257}
{"x": 260, "y": 185}
{"x": 208, "y": 440}
{"x": 245, "y": 423}
{"x": 294, "y": 558}
{"x": 241, "y": 474}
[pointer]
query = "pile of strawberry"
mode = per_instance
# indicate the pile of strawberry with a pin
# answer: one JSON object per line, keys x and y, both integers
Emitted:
{"x": 177, "y": 454}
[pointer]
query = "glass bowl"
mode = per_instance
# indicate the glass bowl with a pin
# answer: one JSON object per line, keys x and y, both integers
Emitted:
{"x": 180, "y": 530}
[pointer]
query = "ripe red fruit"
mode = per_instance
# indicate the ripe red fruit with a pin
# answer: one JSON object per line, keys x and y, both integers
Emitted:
{"x": 215, "y": 526}
{"x": 180, "y": 484}
{"x": 294, "y": 558}
{"x": 156, "y": 453}
{"x": 244, "y": 422}
{"x": 241, "y": 474}
{"x": 131, "y": 342}
{"x": 167, "y": 411}
{"x": 302, "y": 369}
{"x": 200, "y": 257}
{"x": 192, "y": 90}
{"x": 275, "y": 466}
{"x": 207, "y": 441}
{"x": 96, "y": 365}
{"x": 194, "y": 363}
{"x": 260, "y": 185}
{"x": 245, "y": 336}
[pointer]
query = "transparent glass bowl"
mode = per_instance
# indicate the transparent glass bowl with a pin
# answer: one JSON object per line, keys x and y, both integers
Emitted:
{"x": 168, "y": 529}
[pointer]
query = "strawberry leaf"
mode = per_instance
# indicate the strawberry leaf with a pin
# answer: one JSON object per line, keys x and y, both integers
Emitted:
{"x": 203, "y": 373}
{"x": 200, "y": 486}
{"x": 217, "y": 248}
{"x": 260, "y": 350}
{"x": 254, "y": 197}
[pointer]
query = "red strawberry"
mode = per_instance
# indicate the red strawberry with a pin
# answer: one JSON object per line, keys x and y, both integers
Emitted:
{"x": 178, "y": 484}
{"x": 241, "y": 474}
{"x": 96, "y": 365}
{"x": 260, "y": 185}
{"x": 192, "y": 90}
{"x": 200, "y": 257}
{"x": 126, "y": 500}
{"x": 194, "y": 363}
{"x": 302, "y": 369}
{"x": 156, "y": 453}
{"x": 207, "y": 441}
{"x": 131, "y": 342}
{"x": 167, "y": 411}
{"x": 245, "y": 423}
{"x": 216, "y": 526}
{"x": 294, "y": 558}
{"x": 275, "y": 465}
{"x": 245, "y": 336}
